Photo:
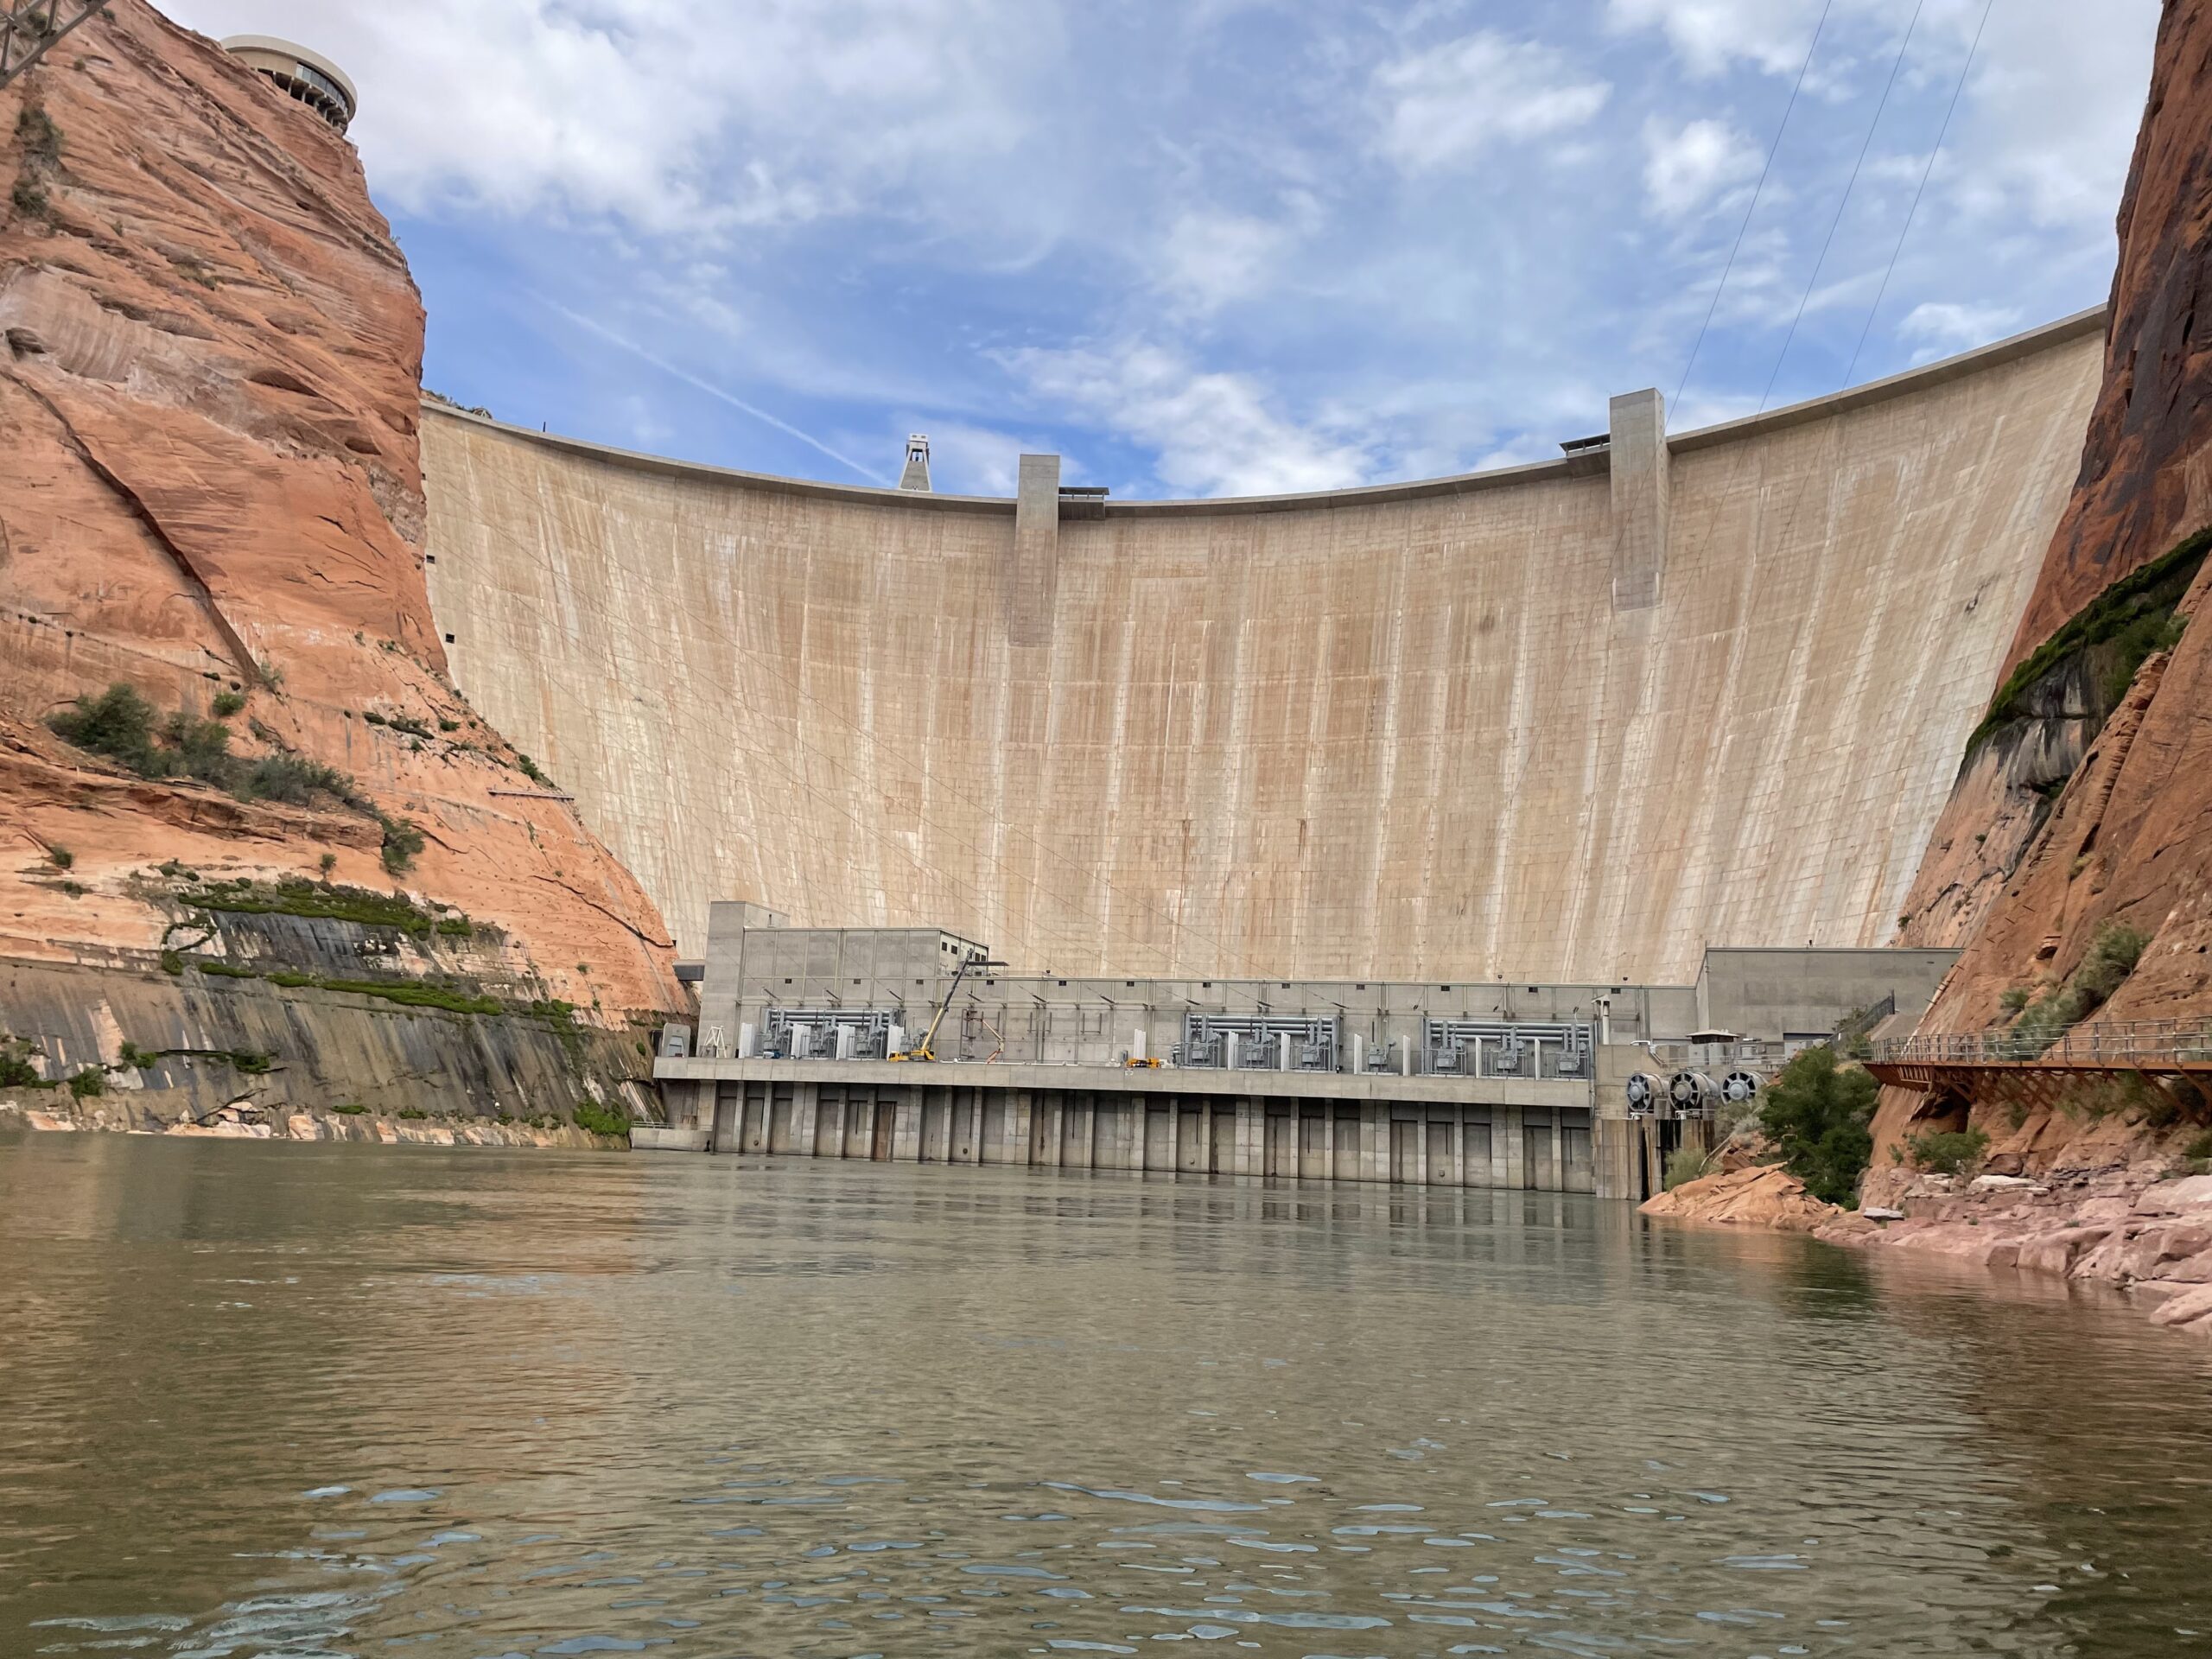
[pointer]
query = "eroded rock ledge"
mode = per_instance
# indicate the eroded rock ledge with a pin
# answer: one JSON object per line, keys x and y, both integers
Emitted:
{"x": 2136, "y": 1227}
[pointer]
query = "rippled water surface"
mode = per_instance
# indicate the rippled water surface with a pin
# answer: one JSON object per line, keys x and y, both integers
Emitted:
{"x": 274, "y": 1399}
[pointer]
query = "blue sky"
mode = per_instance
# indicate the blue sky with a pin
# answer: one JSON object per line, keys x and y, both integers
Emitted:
{"x": 1212, "y": 246}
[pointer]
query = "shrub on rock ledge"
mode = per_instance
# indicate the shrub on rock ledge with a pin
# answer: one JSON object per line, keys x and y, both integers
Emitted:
{"x": 1946, "y": 1152}
{"x": 127, "y": 729}
{"x": 403, "y": 844}
{"x": 1820, "y": 1116}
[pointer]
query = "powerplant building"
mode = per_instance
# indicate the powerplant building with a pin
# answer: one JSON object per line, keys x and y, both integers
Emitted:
{"x": 304, "y": 75}
{"x": 1414, "y": 762}
{"x": 913, "y": 1045}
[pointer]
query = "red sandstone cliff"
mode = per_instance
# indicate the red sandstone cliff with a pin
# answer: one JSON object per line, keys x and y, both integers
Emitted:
{"x": 209, "y": 481}
{"x": 2026, "y": 889}
{"x": 2146, "y": 470}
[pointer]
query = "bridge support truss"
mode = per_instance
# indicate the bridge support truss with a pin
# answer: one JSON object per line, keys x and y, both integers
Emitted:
{"x": 29, "y": 30}
{"x": 2183, "y": 1086}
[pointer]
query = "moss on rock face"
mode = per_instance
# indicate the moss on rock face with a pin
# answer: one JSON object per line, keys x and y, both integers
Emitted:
{"x": 2119, "y": 628}
{"x": 322, "y": 899}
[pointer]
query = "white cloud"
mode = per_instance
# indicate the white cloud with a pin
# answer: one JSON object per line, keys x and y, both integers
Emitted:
{"x": 1710, "y": 34}
{"x": 1208, "y": 260}
{"x": 1214, "y": 433}
{"x": 2051, "y": 113}
{"x": 647, "y": 430}
{"x": 1445, "y": 105}
{"x": 1943, "y": 326}
{"x": 1339, "y": 242}
{"x": 1683, "y": 169}
{"x": 675, "y": 116}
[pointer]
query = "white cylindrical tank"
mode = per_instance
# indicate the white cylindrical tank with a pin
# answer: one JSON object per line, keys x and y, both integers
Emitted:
{"x": 1228, "y": 1050}
{"x": 1282, "y": 1050}
{"x": 897, "y": 1042}
{"x": 1136, "y": 1044}
{"x": 846, "y": 1035}
{"x": 1405, "y": 1057}
{"x": 1359, "y": 1052}
{"x": 748, "y": 1041}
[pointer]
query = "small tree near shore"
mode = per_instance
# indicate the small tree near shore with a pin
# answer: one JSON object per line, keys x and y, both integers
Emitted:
{"x": 1821, "y": 1115}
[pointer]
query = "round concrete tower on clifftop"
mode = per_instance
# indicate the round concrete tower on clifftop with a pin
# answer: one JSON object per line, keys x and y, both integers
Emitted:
{"x": 311, "y": 78}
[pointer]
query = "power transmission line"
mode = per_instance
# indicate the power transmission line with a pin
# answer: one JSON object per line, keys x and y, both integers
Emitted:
{"x": 1850, "y": 184}
{"x": 1773, "y": 150}
{"x": 1942, "y": 133}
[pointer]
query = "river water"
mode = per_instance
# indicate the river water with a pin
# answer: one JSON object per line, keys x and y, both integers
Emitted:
{"x": 266, "y": 1400}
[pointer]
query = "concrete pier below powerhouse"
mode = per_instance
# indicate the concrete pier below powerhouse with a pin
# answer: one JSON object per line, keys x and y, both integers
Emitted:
{"x": 1538, "y": 1133}
{"x": 1523, "y": 1086}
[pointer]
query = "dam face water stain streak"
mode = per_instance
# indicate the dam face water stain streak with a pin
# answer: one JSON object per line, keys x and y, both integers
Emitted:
{"x": 291, "y": 1400}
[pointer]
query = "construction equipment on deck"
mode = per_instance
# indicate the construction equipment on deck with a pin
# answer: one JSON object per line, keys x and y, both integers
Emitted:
{"x": 925, "y": 1050}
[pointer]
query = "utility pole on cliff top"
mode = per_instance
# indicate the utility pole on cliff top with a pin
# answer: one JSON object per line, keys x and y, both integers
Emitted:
{"x": 28, "y": 27}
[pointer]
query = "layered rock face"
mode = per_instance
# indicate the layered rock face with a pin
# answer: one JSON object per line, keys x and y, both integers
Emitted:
{"x": 2144, "y": 480}
{"x": 208, "y": 407}
{"x": 2127, "y": 840}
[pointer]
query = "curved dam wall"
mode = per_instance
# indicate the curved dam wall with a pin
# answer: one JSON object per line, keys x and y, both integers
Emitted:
{"x": 1570, "y": 722}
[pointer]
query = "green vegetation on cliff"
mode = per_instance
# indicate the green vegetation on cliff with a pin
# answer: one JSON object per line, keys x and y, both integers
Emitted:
{"x": 2042, "y": 1020}
{"x": 600, "y": 1120}
{"x": 2124, "y": 624}
{"x": 124, "y": 727}
{"x": 1820, "y": 1117}
{"x": 403, "y": 844}
{"x": 1684, "y": 1165}
{"x": 323, "y": 899}
{"x": 1946, "y": 1152}
{"x": 16, "y": 1071}
{"x": 407, "y": 993}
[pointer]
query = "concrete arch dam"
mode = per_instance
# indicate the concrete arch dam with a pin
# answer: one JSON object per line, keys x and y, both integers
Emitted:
{"x": 1570, "y": 722}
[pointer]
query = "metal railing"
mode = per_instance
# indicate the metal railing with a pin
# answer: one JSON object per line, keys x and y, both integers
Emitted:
{"x": 2149, "y": 1042}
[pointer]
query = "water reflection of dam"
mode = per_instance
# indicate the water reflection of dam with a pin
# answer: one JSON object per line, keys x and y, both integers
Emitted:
{"x": 1570, "y": 722}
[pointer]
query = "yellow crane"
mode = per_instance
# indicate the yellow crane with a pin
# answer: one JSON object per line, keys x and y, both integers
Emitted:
{"x": 925, "y": 1050}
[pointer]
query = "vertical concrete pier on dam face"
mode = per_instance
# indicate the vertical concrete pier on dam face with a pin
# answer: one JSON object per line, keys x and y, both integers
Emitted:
{"x": 1473, "y": 727}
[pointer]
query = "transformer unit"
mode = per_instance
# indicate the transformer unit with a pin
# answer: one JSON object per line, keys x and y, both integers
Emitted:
{"x": 1506, "y": 1048}
{"x": 1256, "y": 1042}
{"x": 830, "y": 1033}
{"x": 1202, "y": 1052}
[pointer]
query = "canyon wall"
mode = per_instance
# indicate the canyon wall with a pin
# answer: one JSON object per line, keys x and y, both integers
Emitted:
{"x": 2080, "y": 814}
{"x": 2146, "y": 469}
{"x": 208, "y": 410}
{"x": 1575, "y": 720}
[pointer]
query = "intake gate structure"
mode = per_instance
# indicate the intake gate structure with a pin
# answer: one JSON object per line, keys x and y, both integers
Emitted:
{"x": 1573, "y": 720}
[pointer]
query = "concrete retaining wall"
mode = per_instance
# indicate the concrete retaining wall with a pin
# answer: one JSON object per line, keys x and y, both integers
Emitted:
{"x": 1525, "y": 1147}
